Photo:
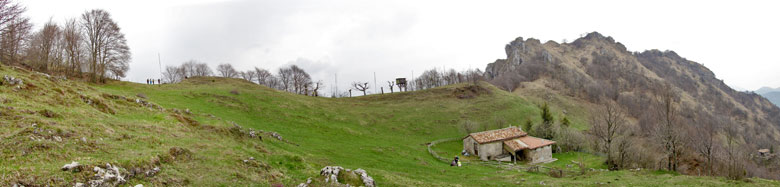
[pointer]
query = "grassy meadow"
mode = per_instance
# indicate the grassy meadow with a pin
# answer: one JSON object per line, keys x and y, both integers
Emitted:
{"x": 196, "y": 132}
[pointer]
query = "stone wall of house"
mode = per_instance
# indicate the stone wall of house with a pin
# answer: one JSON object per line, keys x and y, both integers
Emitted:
{"x": 468, "y": 145}
{"x": 539, "y": 154}
{"x": 489, "y": 150}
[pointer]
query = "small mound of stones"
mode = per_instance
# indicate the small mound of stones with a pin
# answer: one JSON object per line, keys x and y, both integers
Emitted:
{"x": 367, "y": 180}
{"x": 12, "y": 81}
{"x": 252, "y": 133}
{"x": 147, "y": 104}
{"x": 331, "y": 174}
{"x": 73, "y": 166}
{"x": 108, "y": 176}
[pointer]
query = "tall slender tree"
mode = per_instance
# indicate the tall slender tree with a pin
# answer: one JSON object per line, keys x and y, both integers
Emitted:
{"x": 12, "y": 39}
{"x": 107, "y": 46}
{"x": 607, "y": 126}
{"x": 72, "y": 45}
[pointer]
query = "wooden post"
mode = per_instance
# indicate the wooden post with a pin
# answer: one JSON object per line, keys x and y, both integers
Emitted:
{"x": 382, "y": 89}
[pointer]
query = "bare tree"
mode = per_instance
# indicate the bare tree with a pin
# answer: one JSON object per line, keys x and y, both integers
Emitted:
{"x": 263, "y": 76}
{"x": 227, "y": 70}
{"x": 202, "y": 69}
{"x": 508, "y": 81}
{"x": 391, "y": 84}
{"x": 607, "y": 125}
{"x": 623, "y": 148}
{"x": 294, "y": 79}
{"x": 72, "y": 43}
{"x": 469, "y": 126}
{"x": 702, "y": 139}
{"x": 248, "y": 75}
{"x": 107, "y": 45}
{"x": 301, "y": 80}
{"x": 667, "y": 129}
{"x": 188, "y": 68}
{"x": 474, "y": 76}
{"x": 44, "y": 50}
{"x": 317, "y": 86}
{"x": 285, "y": 79}
{"x": 13, "y": 38}
{"x": 429, "y": 79}
{"x": 173, "y": 74}
{"x": 450, "y": 77}
{"x": 735, "y": 169}
{"x": 9, "y": 13}
{"x": 361, "y": 86}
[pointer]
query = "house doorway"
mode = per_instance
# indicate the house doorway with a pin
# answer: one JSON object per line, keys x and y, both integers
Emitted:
{"x": 519, "y": 155}
{"x": 476, "y": 149}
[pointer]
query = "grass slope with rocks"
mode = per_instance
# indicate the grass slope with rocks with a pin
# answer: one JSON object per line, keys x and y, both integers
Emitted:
{"x": 210, "y": 131}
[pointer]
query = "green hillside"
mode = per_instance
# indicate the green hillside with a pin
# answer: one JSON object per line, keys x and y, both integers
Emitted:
{"x": 197, "y": 133}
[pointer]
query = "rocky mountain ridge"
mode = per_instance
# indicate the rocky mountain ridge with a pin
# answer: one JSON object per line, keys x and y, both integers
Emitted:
{"x": 597, "y": 68}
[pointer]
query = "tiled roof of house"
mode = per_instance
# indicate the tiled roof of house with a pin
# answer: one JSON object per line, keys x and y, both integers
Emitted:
{"x": 497, "y": 135}
{"x": 527, "y": 142}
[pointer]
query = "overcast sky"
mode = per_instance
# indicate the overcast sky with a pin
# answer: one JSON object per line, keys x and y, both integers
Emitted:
{"x": 353, "y": 39}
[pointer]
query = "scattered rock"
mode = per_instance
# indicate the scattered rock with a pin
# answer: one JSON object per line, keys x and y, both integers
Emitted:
{"x": 238, "y": 130}
{"x": 10, "y": 80}
{"x": 187, "y": 111}
{"x": 139, "y": 185}
{"x": 277, "y": 136}
{"x": 44, "y": 74}
{"x": 73, "y": 166}
{"x": 367, "y": 180}
{"x": 110, "y": 176}
{"x": 331, "y": 174}
{"x": 308, "y": 182}
{"x": 78, "y": 184}
{"x": 141, "y": 95}
{"x": 152, "y": 172}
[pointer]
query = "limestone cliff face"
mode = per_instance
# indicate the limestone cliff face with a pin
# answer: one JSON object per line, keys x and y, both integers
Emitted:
{"x": 596, "y": 67}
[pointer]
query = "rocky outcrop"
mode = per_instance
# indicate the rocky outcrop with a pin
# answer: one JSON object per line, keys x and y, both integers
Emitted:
{"x": 331, "y": 173}
{"x": 595, "y": 68}
{"x": 331, "y": 176}
{"x": 368, "y": 181}
{"x": 10, "y": 80}
{"x": 73, "y": 166}
{"x": 108, "y": 176}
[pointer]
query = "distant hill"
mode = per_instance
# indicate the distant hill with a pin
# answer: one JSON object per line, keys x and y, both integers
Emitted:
{"x": 596, "y": 68}
{"x": 774, "y": 97}
{"x": 765, "y": 89}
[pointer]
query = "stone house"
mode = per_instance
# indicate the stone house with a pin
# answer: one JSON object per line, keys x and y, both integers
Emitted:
{"x": 508, "y": 144}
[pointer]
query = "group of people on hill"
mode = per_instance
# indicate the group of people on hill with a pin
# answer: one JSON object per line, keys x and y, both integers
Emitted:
{"x": 151, "y": 81}
{"x": 455, "y": 162}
